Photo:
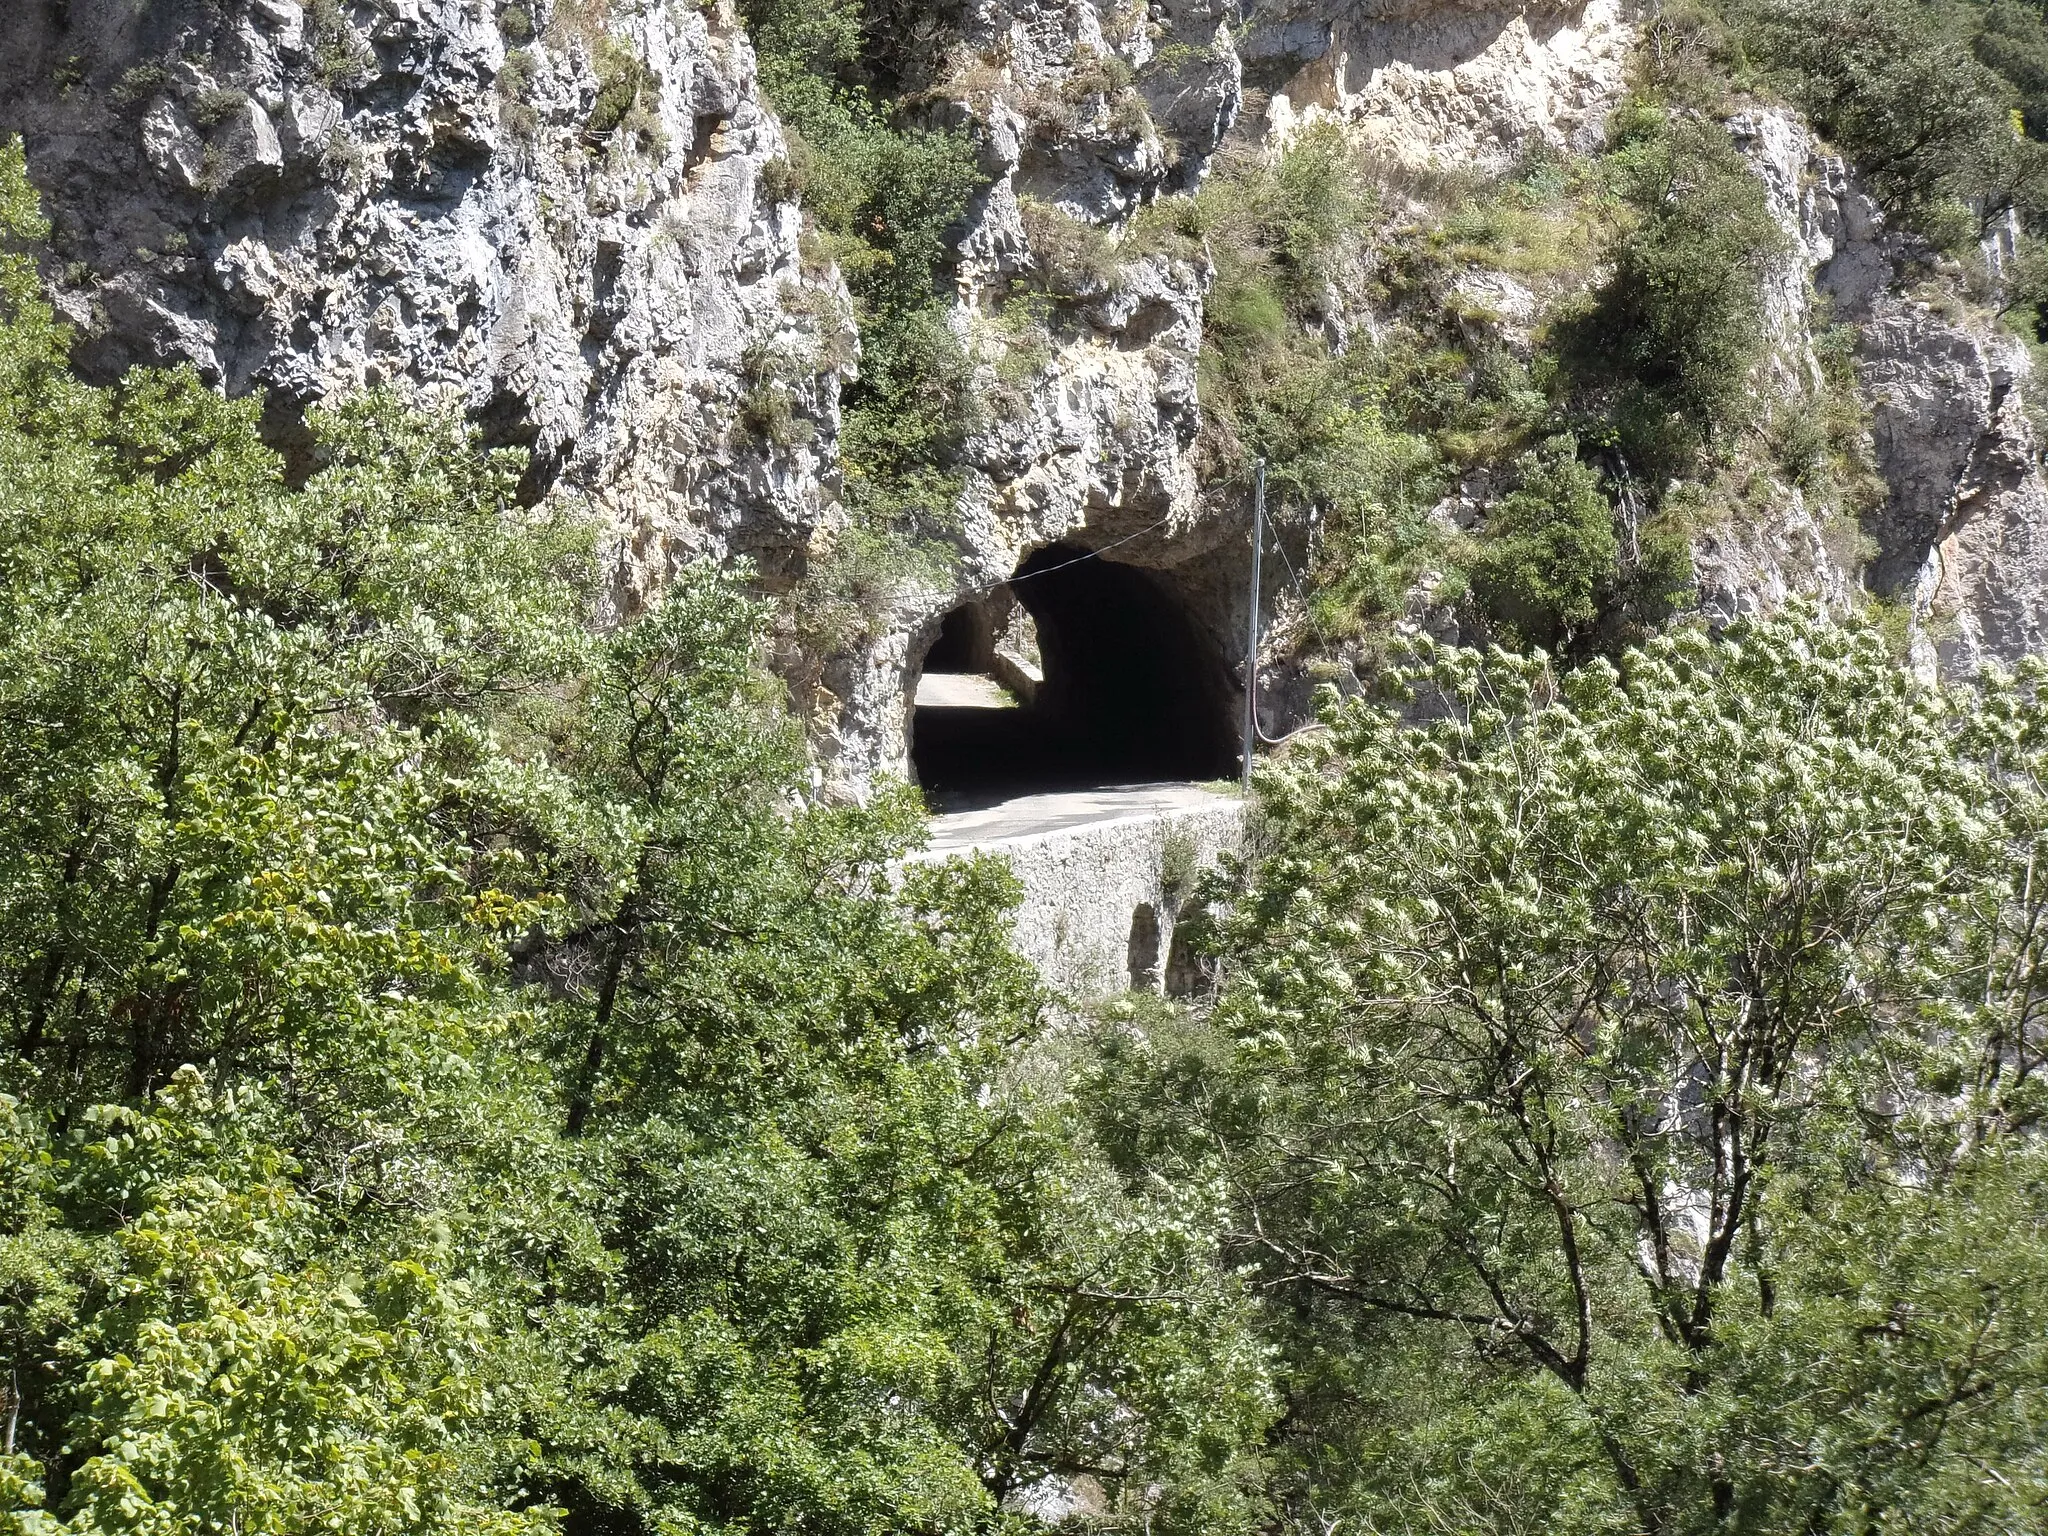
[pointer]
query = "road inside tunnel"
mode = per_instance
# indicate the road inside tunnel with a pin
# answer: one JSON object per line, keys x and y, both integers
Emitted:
{"x": 1133, "y": 692}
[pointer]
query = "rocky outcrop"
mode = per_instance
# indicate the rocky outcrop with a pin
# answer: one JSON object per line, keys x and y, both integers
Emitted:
{"x": 1742, "y": 571}
{"x": 563, "y": 213}
{"x": 1962, "y": 534}
{"x": 1085, "y": 337}
{"x": 1087, "y": 112}
{"x": 1755, "y": 566}
{"x": 1468, "y": 83}
{"x": 555, "y": 214}
{"x": 566, "y": 214}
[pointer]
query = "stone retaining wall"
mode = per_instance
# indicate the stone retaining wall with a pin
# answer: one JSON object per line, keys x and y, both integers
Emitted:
{"x": 1102, "y": 900}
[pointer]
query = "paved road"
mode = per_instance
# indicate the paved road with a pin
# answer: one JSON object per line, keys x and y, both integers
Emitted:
{"x": 1035, "y": 815}
{"x": 961, "y": 690}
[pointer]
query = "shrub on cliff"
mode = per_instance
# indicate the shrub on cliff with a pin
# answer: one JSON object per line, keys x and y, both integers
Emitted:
{"x": 882, "y": 192}
{"x": 1273, "y": 388}
{"x": 1666, "y": 351}
{"x": 1549, "y": 553}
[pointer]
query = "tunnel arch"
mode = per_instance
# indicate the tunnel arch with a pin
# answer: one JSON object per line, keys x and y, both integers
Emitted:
{"x": 1129, "y": 688}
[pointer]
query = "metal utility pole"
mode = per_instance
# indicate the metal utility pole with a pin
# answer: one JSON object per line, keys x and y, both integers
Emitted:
{"x": 1251, "y": 644}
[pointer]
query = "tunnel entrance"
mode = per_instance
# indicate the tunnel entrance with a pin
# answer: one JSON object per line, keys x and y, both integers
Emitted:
{"x": 1126, "y": 689}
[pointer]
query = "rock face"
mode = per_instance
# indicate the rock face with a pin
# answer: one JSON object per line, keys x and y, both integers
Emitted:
{"x": 1962, "y": 535}
{"x": 1087, "y": 111}
{"x": 564, "y": 213}
{"x": 1756, "y": 568}
{"x": 1087, "y": 348}
{"x": 1470, "y": 82}
{"x": 562, "y": 223}
{"x": 561, "y": 212}
{"x": 1965, "y": 532}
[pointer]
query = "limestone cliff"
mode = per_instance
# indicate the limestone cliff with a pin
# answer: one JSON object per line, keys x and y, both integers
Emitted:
{"x": 573, "y": 216}
{"x": 557, "y": 213}
{"x": 1959, "y": 534}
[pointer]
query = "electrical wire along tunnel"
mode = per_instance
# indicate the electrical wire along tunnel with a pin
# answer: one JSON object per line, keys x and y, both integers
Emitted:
{"x": 1124, "y": 687}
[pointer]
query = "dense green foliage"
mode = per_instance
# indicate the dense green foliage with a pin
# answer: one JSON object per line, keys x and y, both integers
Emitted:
{"x": 1646, "y": 378}
{"x": 1647, "y": 264}
{"x": 1923, "y": 98}
{"x": 2012, "y": 39}
{"x": 455, "y": 1079}
{"x": 1630, "y": 1091}
{"x": 1671, "y": 341}
{"x": 1551, "y": 539}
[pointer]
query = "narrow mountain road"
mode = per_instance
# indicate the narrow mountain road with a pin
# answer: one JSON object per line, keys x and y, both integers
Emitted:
{"x": 1069, "y": 811}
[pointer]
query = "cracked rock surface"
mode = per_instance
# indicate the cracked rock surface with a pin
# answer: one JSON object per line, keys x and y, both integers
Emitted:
{"x": 449, "y": 196}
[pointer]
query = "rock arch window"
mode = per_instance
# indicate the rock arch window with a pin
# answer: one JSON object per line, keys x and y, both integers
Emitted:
{"x": 1125, "y": 687}
{"x": 1143, "y": 949}
{"x": 966, "y": 642}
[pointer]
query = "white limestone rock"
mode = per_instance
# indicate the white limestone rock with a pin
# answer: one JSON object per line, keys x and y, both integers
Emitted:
{"x": 414, "y": 199}
{"x": 1963, "y": 532}
{"x": 171, "y": 144}
{"x": 1426, "y": 82}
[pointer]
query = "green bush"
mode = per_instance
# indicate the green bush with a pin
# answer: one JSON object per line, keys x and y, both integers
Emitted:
{"x": 212, "y": 107}
{"x": 140, "y": 84}
{"x": 515, "y": 113}
{"x": 624, "y": 86}
{"x": 1273, "y": 389}
{"x": 516, "y": 23}
{"x": 1667, "y": 349}
{"x": 1912, "y": 94}
{"x": 1291, "y": 220}
{"x": 342, "y": 57}
{"x": 1549, "y": 553}
{"x": 456, "y": 1077}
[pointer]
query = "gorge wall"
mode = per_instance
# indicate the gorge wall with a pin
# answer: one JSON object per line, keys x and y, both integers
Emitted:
{"x": 571, "y": 217}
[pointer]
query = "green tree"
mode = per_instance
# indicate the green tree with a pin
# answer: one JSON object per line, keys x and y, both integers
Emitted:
{"x": 859, "y": 1295}
{"x": 2012, "y": 38}
{"x": 1904, "y": 90}
{"x": 1665, "y": 355}
{"x": 238, "y": 720}
{"x": 456, "y": 1076}
{"x": 1550, "y": 550}
{"x": 1629, "y": 1086}
{"x": 216, "y": 1365}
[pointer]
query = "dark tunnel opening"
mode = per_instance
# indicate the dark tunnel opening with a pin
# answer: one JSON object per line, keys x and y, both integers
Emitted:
{"x": 1132, "y": 691}
{"x": 962, "y": 645}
